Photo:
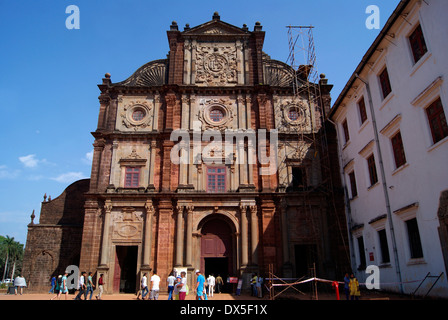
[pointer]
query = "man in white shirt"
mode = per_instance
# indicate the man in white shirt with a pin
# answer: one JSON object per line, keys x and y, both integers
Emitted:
{"x": 211, "y": 285}
{"x": 144, "y": 287}
{"x": 155, "y": 281}
{"x": 171, "y": 279}
{"x": 81, "y": 286}
{"x": 183, "y": 286}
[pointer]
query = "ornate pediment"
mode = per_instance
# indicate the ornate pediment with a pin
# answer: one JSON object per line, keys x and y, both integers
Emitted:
{"x": 215, "y": 27}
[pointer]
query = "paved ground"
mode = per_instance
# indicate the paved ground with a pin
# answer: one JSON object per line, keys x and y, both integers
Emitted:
{"x": 223, "y": 296}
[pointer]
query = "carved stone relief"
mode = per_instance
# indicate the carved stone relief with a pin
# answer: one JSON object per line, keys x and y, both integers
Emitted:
{"x": 127, "y": 224}
{"x": 216, "y": 65}
{"x": 136, "y": 114}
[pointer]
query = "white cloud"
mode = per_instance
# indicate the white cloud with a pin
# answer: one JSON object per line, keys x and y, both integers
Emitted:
{"x": 6, "y": 173}
{"x": 88, "y": 158}
{"x": 29, "y": 161}
{"x": 69, "y": 177}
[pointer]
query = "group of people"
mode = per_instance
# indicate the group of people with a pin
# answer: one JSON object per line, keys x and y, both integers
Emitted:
{"x": 59, "y": 286}
{"x": 178, "y": 288}
{"x": 256, "y": 286}
{"x": 351, "y": 287}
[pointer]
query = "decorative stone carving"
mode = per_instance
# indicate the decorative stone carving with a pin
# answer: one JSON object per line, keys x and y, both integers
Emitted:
{"x": 136, "y": 114}
{"x": 225, "y": 106}
{"x": 293, "y": 116}
{"x": 216, "y": 65}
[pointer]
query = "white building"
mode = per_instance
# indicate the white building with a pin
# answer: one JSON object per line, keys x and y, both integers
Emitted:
{"x": 393, "y": 146}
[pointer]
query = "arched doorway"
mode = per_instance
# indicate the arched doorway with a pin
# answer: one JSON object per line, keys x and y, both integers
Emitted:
{"x": 217, "y": 249}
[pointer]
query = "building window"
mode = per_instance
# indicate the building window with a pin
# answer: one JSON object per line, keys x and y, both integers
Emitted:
{"x": 346, "y": 132}
{"x": 415, "y": 244}
{"x": 138, "y": 115}
{"x": 437, "y": 121}
{"x": 132, "y": 177}
{"x": 385, "y": 83}
{"x": 298, "y": 177}
{"x": 362, "y": 110}
{"x": 353, "y": 187}
{"x": 216, "y": 179}
{"x": 385, "y": 257}
{"x": 397, "y": 146}
{"x": 293, "y": 114}
{"x": 418, "y": 44}
{"x": 216, "y": 115}
{"x": 372, "y": 170}
{"x": 362, "y": 253}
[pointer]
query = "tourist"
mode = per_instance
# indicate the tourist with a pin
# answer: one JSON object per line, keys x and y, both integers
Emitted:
{"x": 100, "y": 287}
{"x": 183, "y": 287}
{"x": 155, "y": 282}
{"x": 57, "y": 288}
{"x": 171, "y": 279}
{"x": 211, "y": 285}
{"x": 219, "y": 283}
{"x": 64, "y": 288}
{"x": 52, "y": 283}
{"x": 81, "y": 287}
{"x": 19, "y": 283}
{"x": 90, "y": 286}
{"x": 200, "y": 285}
{"x": 143, "y": 287}
{"x": 177, "y": 286}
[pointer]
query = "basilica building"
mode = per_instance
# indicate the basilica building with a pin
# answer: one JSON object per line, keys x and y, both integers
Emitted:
{"x": 210, "y": 159}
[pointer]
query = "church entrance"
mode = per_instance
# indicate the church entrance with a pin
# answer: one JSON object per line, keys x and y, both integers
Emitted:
{"x": 125, "y": 271}
{"x": 216, "y": 250}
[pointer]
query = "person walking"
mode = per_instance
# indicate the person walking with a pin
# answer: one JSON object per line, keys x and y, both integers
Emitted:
{"x": 200, "y": 285}
{"x": 171, "y": 280}
{"x": 219, "y": 283}
{"x": 155, "y": 283}
{"x": 354, "y": 288}
{"x": 100, "y": 287}
{"x": 64, "y": 286}
{"x": 81, "y": 287}
{"x": 57, "y": 287}
{"x": 53, "y": 284}
{"x": 89, "y": 286}
{"x": 143, "y": 287}
{"x": 211, "y": 285}
{"x": 183, "y": 288}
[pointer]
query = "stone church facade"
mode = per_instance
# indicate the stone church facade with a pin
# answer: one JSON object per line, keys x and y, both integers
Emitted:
{"x": 220, "y": 208}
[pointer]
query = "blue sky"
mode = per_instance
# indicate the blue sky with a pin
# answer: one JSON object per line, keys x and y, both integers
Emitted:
{"x": 49, "y": 74}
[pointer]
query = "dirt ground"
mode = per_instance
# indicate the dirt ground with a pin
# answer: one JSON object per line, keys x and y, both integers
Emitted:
{"x": 365, "y": 295}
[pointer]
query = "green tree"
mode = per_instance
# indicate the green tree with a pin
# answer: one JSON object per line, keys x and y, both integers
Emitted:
{"x": 12, "y": 255}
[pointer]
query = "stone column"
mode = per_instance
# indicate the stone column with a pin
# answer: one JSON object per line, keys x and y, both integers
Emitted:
{"x": 155, "y": 124}
{"x": 147, "y": 242}
{"x": 105, "y": 243}
{"x": 152, "y": 165}
{"x": 189, "y": 235}
{"x": 179, "y": 238}
{"x": 244, "y": 236}
{"x": 254, "y": 233}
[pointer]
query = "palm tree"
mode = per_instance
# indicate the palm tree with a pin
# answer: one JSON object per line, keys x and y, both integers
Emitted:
{"x": 9, "y": 243}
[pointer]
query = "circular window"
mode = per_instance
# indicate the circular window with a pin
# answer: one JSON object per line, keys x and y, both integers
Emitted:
{"x": 293, "y": 114}
{"x": 138, "y": 115}
{"x": 216, "y": 115}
